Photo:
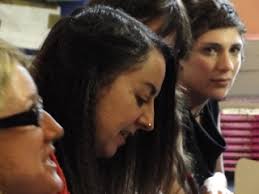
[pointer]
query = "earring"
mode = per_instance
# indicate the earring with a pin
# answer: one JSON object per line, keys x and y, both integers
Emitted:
{"x": 149, "y": 125}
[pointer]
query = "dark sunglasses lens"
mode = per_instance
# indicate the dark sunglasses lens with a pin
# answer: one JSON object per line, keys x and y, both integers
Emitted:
{"x": 30, "y": 117}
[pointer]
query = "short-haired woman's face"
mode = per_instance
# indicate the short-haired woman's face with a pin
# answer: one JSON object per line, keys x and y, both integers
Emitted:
{"x": 127, "y": 105}
{"x": 25, "y": 149}
{"x": 214, "y": 61}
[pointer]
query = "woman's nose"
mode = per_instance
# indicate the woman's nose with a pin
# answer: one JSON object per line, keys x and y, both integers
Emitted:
{"x": 225, "y": 62}
{"x": 146, "y": 119}
{"x": 52, "y": 129}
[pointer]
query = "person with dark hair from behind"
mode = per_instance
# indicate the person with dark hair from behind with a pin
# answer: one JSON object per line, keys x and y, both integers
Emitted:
{"x": 105, "y": 77}
{"x": 167, "y": 18}
{"x": 207, "y": 75}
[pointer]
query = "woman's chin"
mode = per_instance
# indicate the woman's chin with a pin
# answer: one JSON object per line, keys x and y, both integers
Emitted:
{"x": 107, "y": 152}
{"x": 221, "y": 95}
{"x": 57, "y": 181}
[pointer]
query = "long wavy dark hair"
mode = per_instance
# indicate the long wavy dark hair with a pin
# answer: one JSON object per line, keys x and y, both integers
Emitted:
{"x": 83, "y": 53}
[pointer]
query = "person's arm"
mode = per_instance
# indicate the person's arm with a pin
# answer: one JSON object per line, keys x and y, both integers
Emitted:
{"x": 220, "y": 164}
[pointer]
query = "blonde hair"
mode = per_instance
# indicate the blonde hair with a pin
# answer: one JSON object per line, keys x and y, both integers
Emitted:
{"x": 9, "y": 55}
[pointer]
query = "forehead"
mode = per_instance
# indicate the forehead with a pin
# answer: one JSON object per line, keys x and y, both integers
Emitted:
{"x": 152, "y": 70}
{"x": 19, "y": 93}
{"x": 220, "y": 36}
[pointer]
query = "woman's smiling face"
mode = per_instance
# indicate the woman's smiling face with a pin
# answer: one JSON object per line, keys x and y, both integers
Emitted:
{"x": 25, "y": 164}
{"x": 127, "y": 104}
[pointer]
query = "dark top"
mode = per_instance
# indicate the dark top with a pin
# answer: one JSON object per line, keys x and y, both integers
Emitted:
{"x": 204, "y": 142}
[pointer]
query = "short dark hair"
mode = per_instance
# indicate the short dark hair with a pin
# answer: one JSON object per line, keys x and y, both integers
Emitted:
{"x": 82, "y": 53}
{"x": 207, "y": 15}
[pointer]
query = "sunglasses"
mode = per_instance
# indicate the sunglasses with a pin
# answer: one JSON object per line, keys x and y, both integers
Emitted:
{"x": 29, "y": 117}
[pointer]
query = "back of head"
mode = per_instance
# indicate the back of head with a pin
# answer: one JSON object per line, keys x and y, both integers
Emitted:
{"x": 173, "y": 15}
{"x": 141, "y": 10}
{"x": 207, "y": 15}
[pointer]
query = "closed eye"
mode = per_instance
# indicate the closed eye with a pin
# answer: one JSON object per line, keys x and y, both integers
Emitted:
{"x": 140, "y": 100}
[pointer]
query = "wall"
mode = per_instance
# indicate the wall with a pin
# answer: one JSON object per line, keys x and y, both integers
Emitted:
{"x": 247, "y": 83}
{"x": 249, "y": 12}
